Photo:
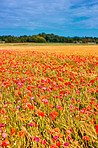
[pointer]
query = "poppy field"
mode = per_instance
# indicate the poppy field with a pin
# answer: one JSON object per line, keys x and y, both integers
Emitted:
{"x": 48, "y": 100}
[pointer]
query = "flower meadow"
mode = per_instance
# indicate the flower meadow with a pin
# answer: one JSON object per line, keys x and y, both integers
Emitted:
{"x": 48, "y": 100}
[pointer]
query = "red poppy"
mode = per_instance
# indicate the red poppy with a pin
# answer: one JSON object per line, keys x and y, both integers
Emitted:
{"x": 86, "y": 138}
{"x": 40, "y": 113}
{"x": 13, "y": 131}
{"x": 96, "y": 128}
{"x": 20, "y": 133}
{"x": 5, "y": 142}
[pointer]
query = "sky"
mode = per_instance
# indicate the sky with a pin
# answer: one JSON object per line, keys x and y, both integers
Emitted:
{"x": 60, "y": 17}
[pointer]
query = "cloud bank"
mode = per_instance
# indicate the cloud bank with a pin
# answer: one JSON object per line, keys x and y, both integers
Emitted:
{"x": 50, "y": 15}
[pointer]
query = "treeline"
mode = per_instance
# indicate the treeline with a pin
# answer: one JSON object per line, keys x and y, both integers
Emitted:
{"x": 43, "y": 38}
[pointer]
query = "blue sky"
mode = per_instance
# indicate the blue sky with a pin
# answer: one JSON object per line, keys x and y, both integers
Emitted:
{"x": 61, "y": 17}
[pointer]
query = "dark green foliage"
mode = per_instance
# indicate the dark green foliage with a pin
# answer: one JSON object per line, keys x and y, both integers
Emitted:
{"x": 43, "y": 38}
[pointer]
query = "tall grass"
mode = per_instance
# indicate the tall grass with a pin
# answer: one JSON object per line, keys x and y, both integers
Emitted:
{"x": 48, "y": 100}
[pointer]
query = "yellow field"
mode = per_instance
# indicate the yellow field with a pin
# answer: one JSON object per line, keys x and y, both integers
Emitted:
{"x": 68, "y": 50}
{"x": 48, "y": 96}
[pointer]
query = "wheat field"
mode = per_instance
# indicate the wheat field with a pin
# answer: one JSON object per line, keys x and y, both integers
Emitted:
{"x": 67, "y": 50}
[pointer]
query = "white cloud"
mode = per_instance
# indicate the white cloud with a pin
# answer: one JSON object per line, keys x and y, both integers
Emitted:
{"x": 35, "y": 14}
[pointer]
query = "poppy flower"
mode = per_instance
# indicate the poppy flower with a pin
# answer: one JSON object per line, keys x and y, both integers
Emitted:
{"x": 56, "y": 129}
{"x": 20, "y": 133}
{"x": 1, "y": 130}
{"x": 43, "y": 142}
{"x": 61, "y": 135}
{"x": 52, "y": 116}
{"x": 68, "y": 132}
{"x": 4, "y": 135}
{"x": 36, "y": 139}
{"x": 66, "y": 144}
{"x": 55, "y": 138}
{"x": 40, "y": 113}
{"x": 59, "y": 107}
{"x": 51, "y": 106}
{"x": 55, "y": 113}
{"x": 53, "y": 146}
{"x": 77, "y": 116}
{"x": 2, "y": 125}
{"x": 96, "y": 128}
{"x": 58, "y": 143}
{"x": 86, "y": 138}
{"x": 13, "y": 131}
{"x": 5, "y": 142}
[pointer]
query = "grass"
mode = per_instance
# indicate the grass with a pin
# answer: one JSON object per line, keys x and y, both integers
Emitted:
{"x": 45, "y": 44}
{"x": 49, "y": 97}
